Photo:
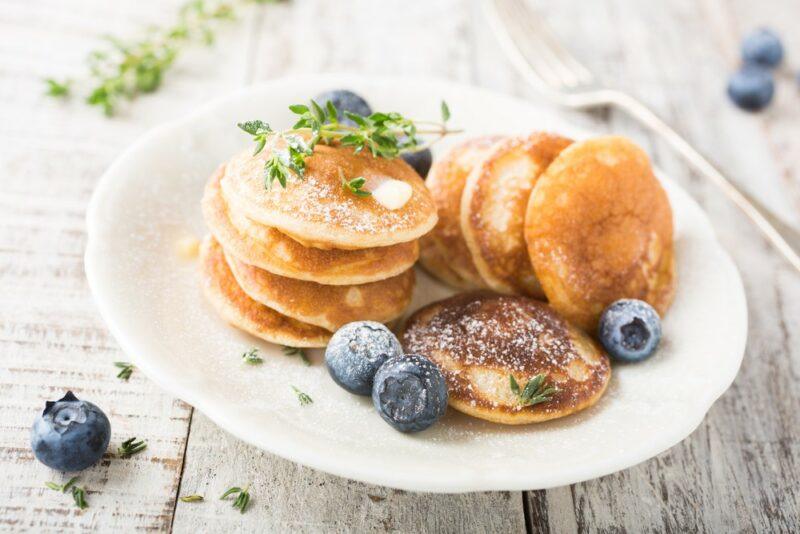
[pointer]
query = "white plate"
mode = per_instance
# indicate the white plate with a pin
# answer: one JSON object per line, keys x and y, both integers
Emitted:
{"x": 151, "y": 300}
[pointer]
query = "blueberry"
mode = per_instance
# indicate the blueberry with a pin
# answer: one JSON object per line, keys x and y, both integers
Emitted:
{"x": 751, "y": 87}
{"x": 421, "y": 161}
{"x": 410, "y": 393}
{"x": 344, "y": 100}
{"x": 629, "y": 330}
{"x": 70, "y": 434}
{"x": 355, "y": 353}
{"x": 762, "y": 47}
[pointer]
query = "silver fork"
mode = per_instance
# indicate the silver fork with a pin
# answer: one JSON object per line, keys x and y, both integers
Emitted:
{"x": 544, "y": 63}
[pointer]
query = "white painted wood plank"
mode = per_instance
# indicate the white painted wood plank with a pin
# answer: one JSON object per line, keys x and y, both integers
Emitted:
{"x": 51, "y": 338}
{"x": 287, "y": 497}
{"x": 736, "y": 472}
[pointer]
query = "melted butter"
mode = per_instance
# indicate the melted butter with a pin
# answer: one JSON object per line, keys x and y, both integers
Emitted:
{"x": 392, "y": 194}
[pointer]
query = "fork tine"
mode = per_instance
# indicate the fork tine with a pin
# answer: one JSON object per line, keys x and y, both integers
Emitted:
{"x": 540, "y": 50}
{"x": 536, "y": 45}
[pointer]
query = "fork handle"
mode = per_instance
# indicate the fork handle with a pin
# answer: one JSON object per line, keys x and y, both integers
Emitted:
{"x": 780, "y": 234}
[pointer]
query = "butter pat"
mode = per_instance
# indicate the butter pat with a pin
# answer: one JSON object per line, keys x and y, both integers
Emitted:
{"x": 392, "y": 194}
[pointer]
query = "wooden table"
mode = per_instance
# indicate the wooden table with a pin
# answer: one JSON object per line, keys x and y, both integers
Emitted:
{"x": 738, "y": 472}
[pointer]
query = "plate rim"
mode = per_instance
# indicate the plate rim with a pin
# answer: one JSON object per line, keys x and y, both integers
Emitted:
{"x": 289, "y": 449}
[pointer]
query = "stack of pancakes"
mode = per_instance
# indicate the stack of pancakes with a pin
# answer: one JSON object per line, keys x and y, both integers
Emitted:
{"x": 291, "y": 265}
{"x": 581, "y": 224}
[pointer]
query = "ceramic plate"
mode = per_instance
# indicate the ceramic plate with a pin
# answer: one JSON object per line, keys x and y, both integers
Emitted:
{"x": 151, "y": 300}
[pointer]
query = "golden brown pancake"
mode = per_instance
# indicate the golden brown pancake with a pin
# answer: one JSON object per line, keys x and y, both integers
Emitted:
{"x": 326, "y": 306}
{"x": 493, "y": 210}
{"x": 446, "y": 183}
{"x": 478, "y": 339}
{"x": 599, "y": 228}
{"x": 433, "y": 260}
{"x": 269, "y": 249}
{"x": 242, "y": 312}
{"x": 318, "y": 211}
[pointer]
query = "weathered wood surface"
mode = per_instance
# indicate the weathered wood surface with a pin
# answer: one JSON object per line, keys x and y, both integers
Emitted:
{"x": 737, "y": 472}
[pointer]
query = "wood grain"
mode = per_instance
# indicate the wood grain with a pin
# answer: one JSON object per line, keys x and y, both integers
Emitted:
{"x": 736, "y": 473}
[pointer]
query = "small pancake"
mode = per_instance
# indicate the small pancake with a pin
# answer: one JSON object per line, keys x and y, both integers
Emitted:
{"x": 599, "y": 228}
{"x": 478, "y": 339}
{"x": 446, "y": 183}
{"x": 318, "y": 211}
{"x": 493, "y": 210}
{"x": 433, "y": 260}
{"x": 244, "y": 313}
{"x": 326, "y": 306}
{"x": 269, "y": 249}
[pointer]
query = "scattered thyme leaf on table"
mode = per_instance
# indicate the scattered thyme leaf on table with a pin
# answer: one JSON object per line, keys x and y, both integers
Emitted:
{"x": 251, "y": 357}
{"x": 62, "y": 487}
{"x": 79, "y": 496}
{"x": 242, "y": 497}
{"x": 384, "y": 135}
{"x": 296, "y": 351}
{"x": 191, "y": 498}
{"x": 124, "y": 69}
{"x": 304, "y": 399}
{"x": 130, "y": 447}
{"x": 126, "y": 369}
{"x": 534, "y": 392}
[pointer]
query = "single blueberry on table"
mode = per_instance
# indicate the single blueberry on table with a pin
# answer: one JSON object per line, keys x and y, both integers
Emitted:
{"x": 751, "y": 88}
{"x": 762, "y": 47}
{"x": 344, "y": 100}
{"x": 629, "y": 330}
{"x": 355, "y": 353}
{"x": 410, "y": 393}
{"x": 421, "y": 161}
{"x": 71, "y": 434}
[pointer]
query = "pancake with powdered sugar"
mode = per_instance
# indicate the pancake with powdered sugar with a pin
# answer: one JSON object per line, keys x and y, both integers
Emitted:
{"x": 479, "y": 339}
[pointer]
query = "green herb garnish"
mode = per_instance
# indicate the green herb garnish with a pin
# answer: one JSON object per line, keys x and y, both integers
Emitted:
{"x": 534, "y": 392}
{"x": 130, "y": 447}
{"x": 125, "y": 69}
{"x": 125, "y": 370}
{"x": 302, "y": 397}
{"x": 296, "y": 351}
{"x": 62, "y": 487}
{"x": 251, "y": 357}
{"x": 191, "y": 498}
{"x": 79, "y": 496}
{"x": 354, "y": 185}
{"x": 242, "y": 497}
{"x": 385, "y": 135}
{"x": 56, "y": 89}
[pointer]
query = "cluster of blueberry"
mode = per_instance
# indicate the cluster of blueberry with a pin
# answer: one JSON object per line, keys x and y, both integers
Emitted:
{"x": 753, "y": 86}
{"x": 344, "y": 100}
{"x": 408, "y": 390}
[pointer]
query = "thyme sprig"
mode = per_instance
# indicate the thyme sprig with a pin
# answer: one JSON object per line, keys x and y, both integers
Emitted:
{"x": 385, "y": 135}
{"x": 126, "y": 369}
{"x": 251, "y": 357}
{"x": 78, "y": 493}
{"x": 354, "y": 185}
{"x": 124, "y": 69}
{"x": 296, "y": 351}
{"x": 534, "y": 392}
{"x": 242, "y": 497}
{"x": 130, "y": 447}
{"x": 62, "y": 487}
{"x": 304, "y": 398}
{"x": 79, "y": 496}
